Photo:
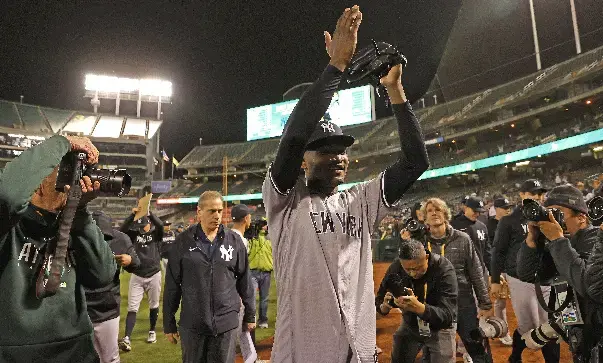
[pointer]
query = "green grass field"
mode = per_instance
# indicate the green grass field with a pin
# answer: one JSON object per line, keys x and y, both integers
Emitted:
{"x": 163, "y": 351}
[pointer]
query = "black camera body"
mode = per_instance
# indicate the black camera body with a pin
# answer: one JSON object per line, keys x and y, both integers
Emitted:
{"x": 533, "y": 211}
{"x": 416, "y": 229}
{"x": 395, "y": 284}
{"x": 73, "y": 167}
{"x": 255, "y": 228}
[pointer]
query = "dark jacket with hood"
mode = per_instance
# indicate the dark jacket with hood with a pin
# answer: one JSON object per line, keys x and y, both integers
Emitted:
{"x": 510, "y": 234}
{"x": 57, "y": 328}
{"x": 104, "y": 303}
{"x": 210, "y": 286}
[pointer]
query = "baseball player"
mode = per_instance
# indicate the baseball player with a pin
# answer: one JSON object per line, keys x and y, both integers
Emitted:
{"x": 321, "y": 237}
{"x": 169, "y": 237}
{"x": 511, "y": 233}
{"x": 147, "y": 236}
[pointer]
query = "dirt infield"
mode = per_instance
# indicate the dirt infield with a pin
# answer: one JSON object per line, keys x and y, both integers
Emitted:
{"x": 387, "y": 325}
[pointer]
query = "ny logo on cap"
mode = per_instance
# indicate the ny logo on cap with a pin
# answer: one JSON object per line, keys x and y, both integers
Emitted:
{"x": 327, "y": 126}
{"x": 536, "y": 183}
{"x": 481, "y": 204}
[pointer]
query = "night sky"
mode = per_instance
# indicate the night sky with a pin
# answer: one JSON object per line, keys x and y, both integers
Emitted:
{"x": 226, "y": 56}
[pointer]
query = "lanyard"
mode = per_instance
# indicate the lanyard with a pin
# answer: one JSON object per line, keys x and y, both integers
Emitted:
{"x": 441, "y": 248}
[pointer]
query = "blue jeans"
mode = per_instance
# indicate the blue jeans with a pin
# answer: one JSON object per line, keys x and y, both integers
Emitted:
{"x": 261, "y": 280}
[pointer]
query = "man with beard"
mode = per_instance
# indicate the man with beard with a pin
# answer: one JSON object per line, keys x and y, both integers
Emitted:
{"x": 321, "y": 237}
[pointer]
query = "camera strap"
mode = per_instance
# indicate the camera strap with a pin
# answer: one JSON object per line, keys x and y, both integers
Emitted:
{"x": 568, "y": 299}
{"x": 49, "y": 277}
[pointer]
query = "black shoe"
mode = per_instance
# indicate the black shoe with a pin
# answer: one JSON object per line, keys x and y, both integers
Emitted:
{"x": 517, "y": 348}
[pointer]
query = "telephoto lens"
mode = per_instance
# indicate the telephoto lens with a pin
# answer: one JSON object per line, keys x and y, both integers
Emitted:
{"x": 112, "y": 181}
{"x": 595, "y": 208}
{"x": 548, "y": 332}
{"x": 491, "y": 327}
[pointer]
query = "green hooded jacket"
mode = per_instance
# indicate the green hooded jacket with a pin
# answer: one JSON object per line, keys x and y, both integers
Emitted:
{"x": 260, "y": 254}
{"x": 55, "y": 329}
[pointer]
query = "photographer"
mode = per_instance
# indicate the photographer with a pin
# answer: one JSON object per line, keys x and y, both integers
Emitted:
{"x": 56, "y": 328}
{"x": 429, "y": 316}
{"x": 261, "y": 266}
{"x": 457, "y": 247}
{"x": 563, "y": 257}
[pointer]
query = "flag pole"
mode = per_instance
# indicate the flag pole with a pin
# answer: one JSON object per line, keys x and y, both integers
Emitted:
{"x": 173, "y": 158}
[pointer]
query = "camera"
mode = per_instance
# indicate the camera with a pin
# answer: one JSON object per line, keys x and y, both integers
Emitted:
{"x": 595, "y": 208}
{"x": 533, "y": 211}
{"x": 255, "y": 228}
{"x": 395, "y": 284}
{"x": 491, "y": 327}
{"x": 73, "y": 167}
{"x": 416, "y": 229}
{"x": 550, "y": 331}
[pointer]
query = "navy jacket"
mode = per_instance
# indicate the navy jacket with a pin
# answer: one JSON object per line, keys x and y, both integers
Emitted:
{"x": 210, "y": 287}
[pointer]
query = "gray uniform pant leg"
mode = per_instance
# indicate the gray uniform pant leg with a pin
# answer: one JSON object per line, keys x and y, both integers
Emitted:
{"x": 528, "y": 311}
{"x": 106, "y": 335}
{"x": 198, "y": 348}
{"x": 244, "y": 338}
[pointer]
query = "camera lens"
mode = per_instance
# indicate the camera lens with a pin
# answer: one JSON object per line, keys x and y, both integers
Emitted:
{"x": 532, "y": 211}
{"x": 412, "y": 225}
{"x": 595, "y": 208}
{"x": 112, "y": 181}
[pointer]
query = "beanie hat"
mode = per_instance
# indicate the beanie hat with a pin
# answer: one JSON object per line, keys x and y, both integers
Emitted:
{"x": 566, "y": 196}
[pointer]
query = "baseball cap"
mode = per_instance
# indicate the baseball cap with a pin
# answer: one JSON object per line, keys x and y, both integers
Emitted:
{"x": 503, "y": 203}
{"x": 464, "y": 199}
{"x": 475, "y": 203}
{"x": 533, "y": 186}
{"x": 167, "y": 223}
{"x": 567, "y": 196}
{"x": 104, "y": 223}
{"x": 239, "y": 212}
{"x": 328, "y": 133}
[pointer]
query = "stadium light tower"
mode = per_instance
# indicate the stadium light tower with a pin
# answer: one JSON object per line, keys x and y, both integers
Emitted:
{"x": 535, "y": 31}
{"x": 139, "y": 90}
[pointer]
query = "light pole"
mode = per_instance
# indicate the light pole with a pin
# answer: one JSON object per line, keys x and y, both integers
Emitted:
{"x": 576, "y": 31}
{"x": 535, "y": 35}
{"x": 535, "y": 32}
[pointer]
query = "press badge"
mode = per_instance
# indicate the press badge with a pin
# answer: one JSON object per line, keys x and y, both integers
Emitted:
{"x": 424, "y": 330}
{"x": 571, "y": 314}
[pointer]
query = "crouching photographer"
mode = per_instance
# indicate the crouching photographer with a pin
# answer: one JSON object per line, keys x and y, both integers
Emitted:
{"x": 50, "y": 249}
{"x": 430, "y": 315}
{"x": 548, "y": 257}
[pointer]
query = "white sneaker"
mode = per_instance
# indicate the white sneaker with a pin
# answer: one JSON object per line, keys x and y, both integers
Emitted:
{"x": 125, "y": 345}
{"x": 263, "y": 325}
{"x": 507, "y": 340}
{"x": 152, "y": 337}
{"x": 467, "y": 358}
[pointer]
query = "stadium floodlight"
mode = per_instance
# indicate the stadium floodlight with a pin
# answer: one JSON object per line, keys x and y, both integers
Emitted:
{"x": 130, "y": 89}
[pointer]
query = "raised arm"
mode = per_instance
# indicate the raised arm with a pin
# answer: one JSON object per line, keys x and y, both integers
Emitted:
{"x": 314, "y": 103}
{"x": 22, "y": 176}
{"x": 413, "y": 160}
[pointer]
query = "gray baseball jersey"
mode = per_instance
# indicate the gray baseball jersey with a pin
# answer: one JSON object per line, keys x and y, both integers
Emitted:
{"x": 324, "y": 273}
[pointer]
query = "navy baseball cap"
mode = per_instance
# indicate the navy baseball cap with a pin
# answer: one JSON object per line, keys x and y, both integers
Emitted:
{"x": 475, "y": 203}
{"x": 239, "y": 212}
{"x": 503, "y": 203}
{"x": 328, "y": 133}
{"x": 533, "y": 186}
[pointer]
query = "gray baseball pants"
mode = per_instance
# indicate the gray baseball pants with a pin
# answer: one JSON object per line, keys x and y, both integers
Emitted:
{"x": 527, "y": 310}
{"x": 140, "y": 285}
{"x": 105, "y": 340}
